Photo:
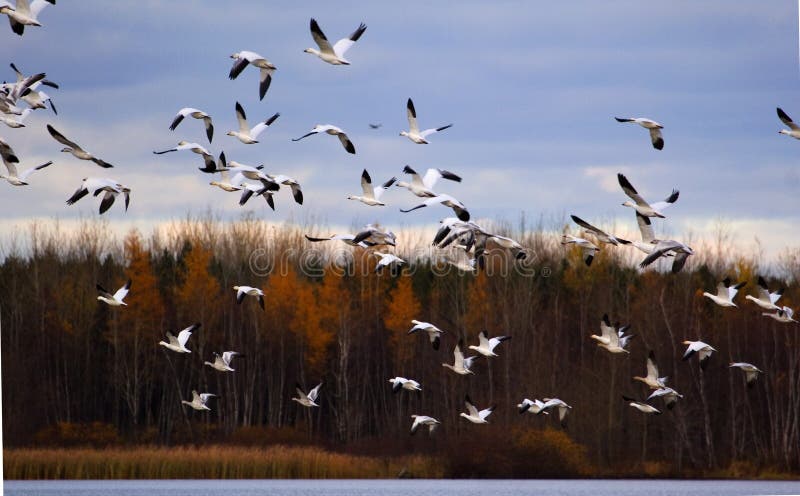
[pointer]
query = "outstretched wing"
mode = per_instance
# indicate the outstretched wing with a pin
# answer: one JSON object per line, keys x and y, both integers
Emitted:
{"x": 412, "y": 117}
{"x": 344, "y": 44}
{"x": 61, "y": 138}
{"x": 320, "y": 39}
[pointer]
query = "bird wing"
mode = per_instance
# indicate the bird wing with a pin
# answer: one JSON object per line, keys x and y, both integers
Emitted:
{"x": 123, "y": 291}
{"x": 786, "y": 119}
{"x": 346, "y": 143}
{"x": 262, "y": 126}
{"x": 312, "y": 395}
{"x": 679, "y": 262}
{"x": 473, "y": 411}
{"x": 486, "y": 412}
{"x": 185, "y": 334}
{"x": 241, "y": 118}
{"x": 497, "y": 340}
{"x": 228, "y": 356}
{"x": 320, "y": 39}
{"x": 416, "y": 180}
{"x": 483, "y": 340}
{"x": 107, "y": 201}
{"x": 656, "y": 138}
{"x": 458, "y": 355}
{"x": 433, "y": 175}
{"x": 652, "y": 368}
{"x": 264, "y": 81}
{"x": 344, "y": 44}
{"x": 432, "y": 130}
{"x": 61, "y": 138}
{"x": 8, "y": 156}
{"x": 204, "y": 397}
{"x": 722, "y": 288}
{"x": 629, "y": 190}
{"x": 668, "y": 201}
{"x": 178, "y": 119}
{"x": 38, "y": 5}
{"x": 366, "y": 184}
{"x": 645, "y": 228}
{"x": 103, "y": 292}
{"x": 588, "y": 226}
{"x": 379, "y": 190}
{"x": 238, "y": 66}
{"x": 412, "y": 117}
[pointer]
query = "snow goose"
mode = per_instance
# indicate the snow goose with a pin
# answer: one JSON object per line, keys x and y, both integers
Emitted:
{"x": 10, "y": 160}
{"x": 652, "y": 380}
{"x": 448, "y": 201}
{"x": 750, "y": 371}
{"x": 254, "y": 173}
{"x": 663, "y": 248}
{"x": 245, "y": 134}
{"x": 116, "y": 299}
{"x": 486, "y": 346}
{"x": 386, "y": 259}
{"x": 197, "y": 114}
{"x": 242, "y": 291}
{"x": 481, "y": 239}
{"x": 783, "y": 315}
{"x": 333, "y": 131}
{"x": 376, "y": 236}
{"x": 641, "y": 205}
{"x": 243, "y": 59}
{"x": 186, "y": 145}
{"x": 226, "y": 183}
{"x": 726, "y": 292}
{"x": 601, "y": 236}
{"x": 702, "y": 350}
{"x": 654, "y": 127}
{"x": 536, "y": 407}
{"x": 371, "y": 195}
{"x": 413, "y": 133}
{"x": 475, "y": 416}
{"x": 348, "y": 239}
{"x": 309, "y": 399}
{"x": 434, "y": 333}
{"x": 222, "y": 362}
{"x": 453, "y": 228}
{"x": 563, "y": 409}
{"x": 24, "y": 14}
{"x": 588, "y": 249}
{"x": 766, "y": 299}
{"x": 179, "y": 344}
{"x": 284, "y": 180}
{"x": 669, "y": 395}
{"x": 248, "y": 190}
{"x": 74, "y": 149}
{"x": 642, "y": 407}
{"x": 423, "y": 186}
{"x": 333, "y": 54}
{"x": 611, "y": 338}
{"x": 423, "y": 420}
{"x": 95, "y": 186}
{"x": 461, "y": 365}
{"x": 399, "y": 383}
{"x": 15, "y": 122}
{"x": 199, "y": 401}
{"x": 461, "y": 261}
{"x": 794, "y": 130}
{"x": 38, "y": 99}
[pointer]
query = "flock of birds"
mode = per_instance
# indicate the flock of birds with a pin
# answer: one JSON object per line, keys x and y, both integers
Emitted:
{"x": 468, "y": 240}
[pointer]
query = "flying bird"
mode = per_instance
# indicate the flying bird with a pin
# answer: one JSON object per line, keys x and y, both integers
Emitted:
{"x": 309, "y": 399}
{"x": 750, "y": 371}
{"x": 423, "y": 186}
{"x": 669, "y": 395}
{"x": 434, "y": 333}
{"x": 333, "y": 54}
{"x": 642, "y": 207}
{"x": 10, "y": 160}
{"x": 588, "y": 249}
{"x": 399, "y": 383}
{"x": 115, "y": 299}
{"x": 601, "y": 236}
{"x": 197, "y": 114}
{"x": 654, "y": 127}
{"x": 794, "y": 130}
{"x": 222, "y": 362}
{"x": 245, "y": 134}
{"x": 423, "y": 420}
{"x": 333, "y": 131}
{"x": 199, "y": 401}
{"x": 179, "y": 344}
{"x": 611, "y": 336}
{"x": 766, "y": 299}
{"x": 486, "y": 346}
{"x": 652, "y": 380}
{"x": 461, "y": 365}
{"x": 448, "y": 201}
{"x": 726, "y": 292}
{"x": 372, "y": 194}
{"x": 242, "y": 291}
{"x": 74, "y": 149}
{"x": 668, "y": 247}
{"x": 536, "y": 407}
{"x": 783, "y": 315}
{"x": 386, "y": 259}
{"x": 108, "y": 187}
{"x": 244, "y": 58}
{"x": 24, "y": 13}
{"x": 703, "y": 351}
{"x": 475, "y": 416}
{"x": 561, "y": 406}
{"x": 642, "y": 407}
{"x": 413, "y": 133}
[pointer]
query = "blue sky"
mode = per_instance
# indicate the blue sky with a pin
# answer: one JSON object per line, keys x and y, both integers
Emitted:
{"x": 531, "y": 88}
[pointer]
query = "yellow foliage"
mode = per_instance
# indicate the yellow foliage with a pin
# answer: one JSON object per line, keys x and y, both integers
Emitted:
{"x": 403, "y": 306}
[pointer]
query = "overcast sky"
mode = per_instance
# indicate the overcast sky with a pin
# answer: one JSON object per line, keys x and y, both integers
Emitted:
{"x": 530, "y": 87}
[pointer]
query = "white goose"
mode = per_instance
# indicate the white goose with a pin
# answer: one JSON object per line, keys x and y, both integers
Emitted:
{"x": 333, "y": 54}
{"x": 423, "y": 186}
{"x": 766, "y": 299}
{"x": 475, "y": 416}
{"x": 116, "y": 299}
{"x": 372, "y": 194}
{"x": 641, "y": 205}
{"x": 179, "y": 344}
{"x": 448, "y": 201}
{"x": 703, "y": 351}
{"x": 96, "y": 185}
{"x": 242, "y": 291}
{"x": 461, "y": 365}
{"x": 386, "y": 260}
{"x": 794, "y": 130}
{"x": 536, "y": 407}
{"x": 783, "y": 315}
{"x": 413, "y": 133}
{"x": 245, "y": 134}
{"x": 284, "y": 180}
{"x": 10, "y": 160}
{"x": 652, "y": 380}
{"x": 244, "y": 58}
{"x": 24, "y": 13}
{"x": 310, "y": 399}
{"x": 664, "y": 248}
{"x": 654, "y": 127}
{"x": 600, "y": 235}
{"x": 199, "y": 401}
{"x": 399, "y": 383}
{"x": 423, "y": 420}
{"x": 222, "y": 362}
{"x": 197, "y": 114}
{"x": 376, "y": 236}
{"x": 561, "y": 406}
{"x": 726, "y": 292}
{"x": 15, "y": 121}
{"x": 642, "y": 407}
{"x": 347, "y": 239}
{"x": 588, "y": 249}
{"x": 74, "y": 149}
{"x": 333, "y": 131}
{"x": 750, "y": 372}
{"x": 669, "y": 395}
{"x": 486, "y": 346}
{"x": 434, "y": 333}
{"x": 610, "y": 338}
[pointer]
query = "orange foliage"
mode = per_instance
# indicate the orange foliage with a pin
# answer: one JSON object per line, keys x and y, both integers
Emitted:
{"x": 198, "y": 286}
{"x": 479, "y": 304}
{"x": 145, "y": 311}
{"x": 403, "y": 307}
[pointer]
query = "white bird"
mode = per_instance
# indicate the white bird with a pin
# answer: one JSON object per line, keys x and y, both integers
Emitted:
{"x": 654, "y": 127}
{"x": 600, "y": 235}
{"x": 642, "y": 207}
{"x": 95, "y": 186}
{"x": 186, "y": 145}
{"x": 197, "y": 114}
{"x": 475, "y": 416}
{"x": 461, "y": 261}
{"x": 386, "y": 260}
{"x": 669, "y": 395}
{"x": 642, "y": 407}
{"x": 423, "y": 186}
{"x": 248, "y": 190}
{"x": 423, "y": 420}
{"x": 648, "y": 243}
{"x": 222, "y": 362}
{"x": 345, "y": 238}
{"x": 652, "y": 380}
{"x": 199, "y": 401}
{"x": 562, "y": 407}
{"x": 10, "y": 160}
{"x": 114, "y": 300}
{"x": 333, "y": 54}
{"x": 448, "y": 201}
{"x": 372, "y": 194}
{"x": 794, "y": 130}
{"x": 245, "y": 134}
{"x": 242, "y": 291}
{"x": 309, "y": 399}
{"x": 486, "y": 346}
{"x": 243, "y": 59}
{"x": 74, "y": 149}
{"x": 702, "y": 350}
{"x": 726, "y": 292}
{"x": 750, "y": 371}
{"x": 611, "y": 338}
{"x": 461, "y": 365}
{"x": 766, "y": 299}
{"x": 536, "y": 407}
{"x": 179, "y": 344}
{"x": 333, "y": 131}
{"x": 664, "y": 248}
{"x": 399, "y": 383}
{"x": 24, "y": 13}
{"x": 434, "y": 333}
{"x": 376, "y": 236}
{"x": 588, "y": 249}
{"x": 15, "y": 122}
{"x": 284, "y": 180}
{"x": 413, "y": 133}
{"x": 783, "y": 315}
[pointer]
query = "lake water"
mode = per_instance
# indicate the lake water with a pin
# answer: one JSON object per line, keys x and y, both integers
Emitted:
{"x": 397, "y": 487}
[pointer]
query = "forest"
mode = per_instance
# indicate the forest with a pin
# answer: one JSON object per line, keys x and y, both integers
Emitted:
{"x": 78, "y": 374}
